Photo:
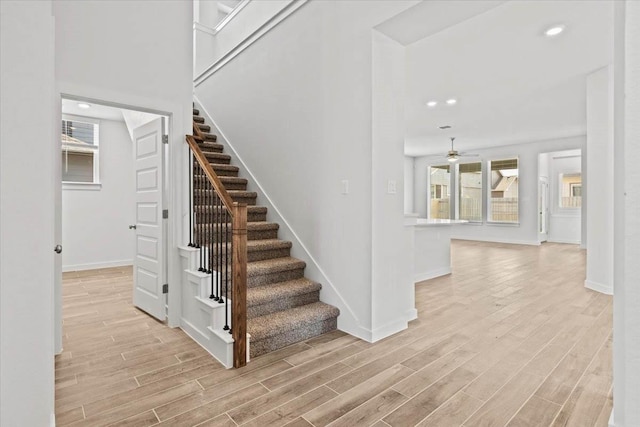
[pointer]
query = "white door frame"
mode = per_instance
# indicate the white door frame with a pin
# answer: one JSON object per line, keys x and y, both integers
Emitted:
{"x": 179, "y": 125}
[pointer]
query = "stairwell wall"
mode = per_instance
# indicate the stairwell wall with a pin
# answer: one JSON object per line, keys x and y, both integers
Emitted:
{"x": 296, "y": 106}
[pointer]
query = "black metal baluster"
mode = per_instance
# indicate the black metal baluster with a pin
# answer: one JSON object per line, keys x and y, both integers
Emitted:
{"x": 214, "y": 216}
{"x": 202, "y": 223}
{"x": 226, "y": 270}
{"x": 191, "y": 211}
{"x": 209, "y": 229}
{"x": 221, "y": 210}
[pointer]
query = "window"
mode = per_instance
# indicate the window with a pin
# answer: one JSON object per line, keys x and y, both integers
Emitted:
{"x": 439, "y": 197}
{"x": 570, "y": 190}
{"x": 503, "y": 200}
{"x": 470, "y": 191}
{"x": 79, "y": 150}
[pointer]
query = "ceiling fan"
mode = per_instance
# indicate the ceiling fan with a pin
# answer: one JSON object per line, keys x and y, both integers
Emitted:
{"x": 453, "y": 155}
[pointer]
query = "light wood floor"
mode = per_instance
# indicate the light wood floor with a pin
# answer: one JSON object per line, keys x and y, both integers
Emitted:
{"x": 512, "y": 337}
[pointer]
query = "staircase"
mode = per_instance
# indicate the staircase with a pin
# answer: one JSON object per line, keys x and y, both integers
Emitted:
{"x": 283, "y": 307}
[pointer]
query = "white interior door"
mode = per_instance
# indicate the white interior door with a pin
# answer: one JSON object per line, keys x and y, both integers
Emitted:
{"x": 543, "y": 209}
{"x": 149, "y": 259}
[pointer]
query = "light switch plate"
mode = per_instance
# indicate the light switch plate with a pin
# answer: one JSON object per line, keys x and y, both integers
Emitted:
{"x": 345, "y": 186}
{"x": 391, "y": 186}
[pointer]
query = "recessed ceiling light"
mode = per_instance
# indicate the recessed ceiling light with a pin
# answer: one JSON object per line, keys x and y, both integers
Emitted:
{"x": 451, "y": 101}
{"x": 554, "y": 30}
{"x": 83, "y": 105}
{"x": 432, "y": 103}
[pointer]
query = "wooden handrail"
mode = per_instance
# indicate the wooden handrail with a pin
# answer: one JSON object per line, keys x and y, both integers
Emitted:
{"x": 197, "y": 132}
{"x": 211, "y": 175}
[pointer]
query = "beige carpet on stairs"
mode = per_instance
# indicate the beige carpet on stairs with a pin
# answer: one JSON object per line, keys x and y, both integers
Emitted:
{"x": 283, "y": 307}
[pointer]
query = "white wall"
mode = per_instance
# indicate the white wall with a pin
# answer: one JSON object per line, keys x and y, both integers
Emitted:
{"x": 27, "y": 155}
{"x": 297, "y": 107}
{"x": 140, "y": 54}
{"x": 565, "y": 225}
{"x": 392, "y": 269}
{"x": 600, "y": 194}
{"x": 408, "y": 184}
{"x": 211, "y": 47}
{"x": 626, "y": 323}
{"x": 527, "y": 231}
{"x": 95, "y": 232}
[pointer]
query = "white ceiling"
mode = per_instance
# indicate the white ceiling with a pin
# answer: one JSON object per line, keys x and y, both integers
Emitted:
{"x": 96, "y": 111}
{"x": 512, "y": 83}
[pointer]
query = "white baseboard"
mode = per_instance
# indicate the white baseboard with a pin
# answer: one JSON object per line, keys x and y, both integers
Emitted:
{"x": 388, "y": 329}
{"x": 598, "y": 287}
{"x": 568, "y": 242}
{"x": 96, "y": 265}
{"x": 52, "y": 420}
{"x": 431, "y": 274}
{"x": 611, "y": 424}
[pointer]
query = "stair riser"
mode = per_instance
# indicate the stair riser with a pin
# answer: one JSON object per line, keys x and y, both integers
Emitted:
{"x": 251, "y": 217}
{"x": 201, "y": 183}
{"x": 280, "y": 276}
{"x": 211, "y": 148}
{"x": 289, "y": 337}
{"x": 217, "y": 158}
{"x": 196, "y": 112}
{"x": 204, "y": 128}
{"x": 251, "y": 235}
{"x": 282, "y": 304}
{"x": 201, "y": 199}
{"x": 270, "y": 254}
{"x": 224, "y": 172}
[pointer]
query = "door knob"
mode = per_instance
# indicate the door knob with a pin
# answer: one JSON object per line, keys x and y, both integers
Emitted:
{"x": 132, "y": 227}
{"x": 58, "y": 249}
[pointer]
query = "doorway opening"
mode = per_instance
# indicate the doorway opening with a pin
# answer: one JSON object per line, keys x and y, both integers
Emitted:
{"x": 560, "y": 197}
{"x": 112, "y": 205}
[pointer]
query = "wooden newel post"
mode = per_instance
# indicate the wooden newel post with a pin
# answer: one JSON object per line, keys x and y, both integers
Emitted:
{"x": 239, "y": 292}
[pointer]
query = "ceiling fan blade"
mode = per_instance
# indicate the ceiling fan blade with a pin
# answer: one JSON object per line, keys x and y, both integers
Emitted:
{"x": 468, "y": 155}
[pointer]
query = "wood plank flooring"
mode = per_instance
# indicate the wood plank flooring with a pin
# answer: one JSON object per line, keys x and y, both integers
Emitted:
{"x": 511, "y": 338}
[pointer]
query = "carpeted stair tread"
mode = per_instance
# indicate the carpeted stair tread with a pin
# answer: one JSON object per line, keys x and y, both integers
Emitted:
{"x": 275, "y": 265}
{"x": 211, "y": 147}
{"x": 282, "y": 290}
{"x": 225, "y": 170}
{"x": 204, "y": 128}
{"x": 210, "y": 137}
{"x": 233, "y": 180}
{"x": 217, "y": 158}
{"x": 263, "y": 327}
{"x": 196, "y": 112}
{"x": 198, "y": 119}
{"x": 267, "y": 245}
{"x": 250, "y": 210}
{"x": 243, "y": 194}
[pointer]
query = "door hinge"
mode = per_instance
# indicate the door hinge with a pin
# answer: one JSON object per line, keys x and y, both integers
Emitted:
{"x": 165, "y": 288}
{"x": 165, "y": 139}
{"x": 165, "y": 213}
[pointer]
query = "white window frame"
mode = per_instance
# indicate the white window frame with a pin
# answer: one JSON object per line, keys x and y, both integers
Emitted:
{"x": 458, "y": 191}
{"x": 449, "y": 186}
{"x": 489, "y": 190}
{"x": 95, "y": 184}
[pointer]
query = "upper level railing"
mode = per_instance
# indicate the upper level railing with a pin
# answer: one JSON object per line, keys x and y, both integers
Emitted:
{"x": 218, "y": 228}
